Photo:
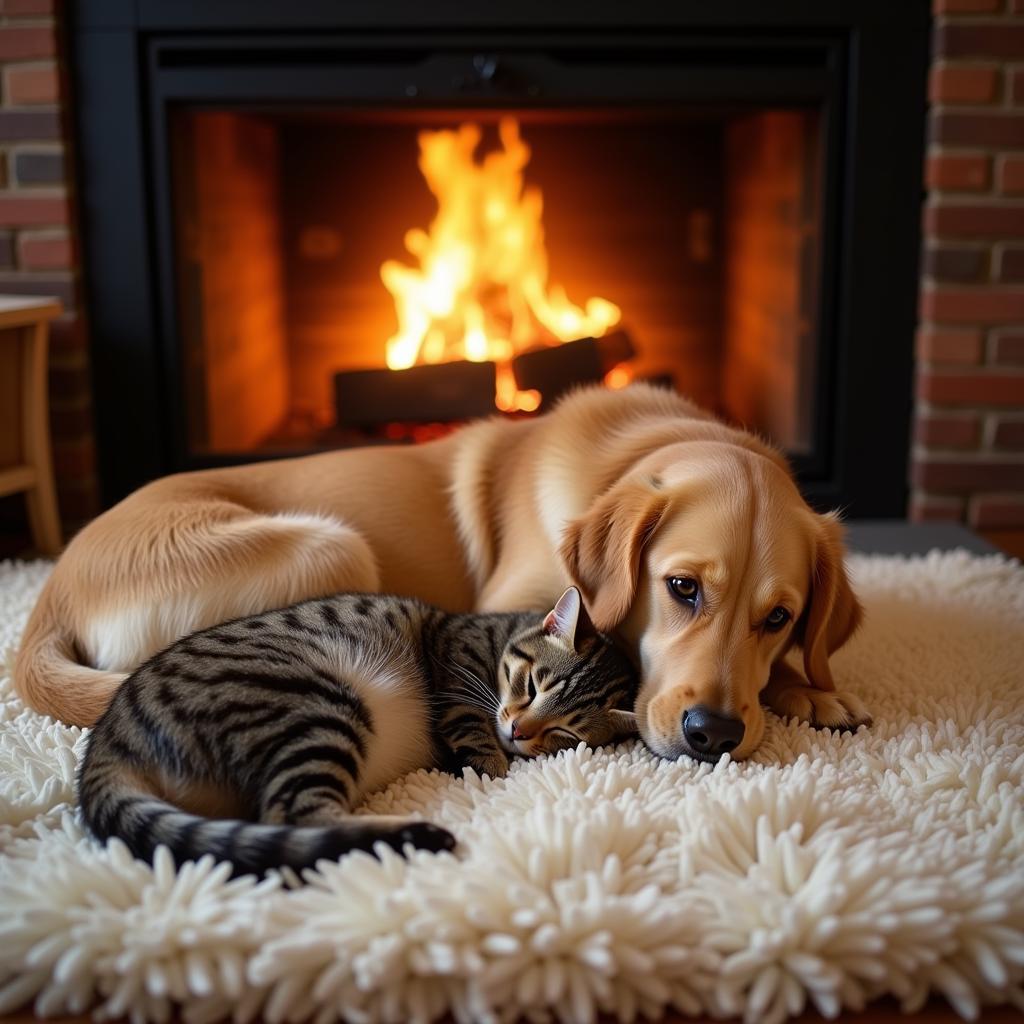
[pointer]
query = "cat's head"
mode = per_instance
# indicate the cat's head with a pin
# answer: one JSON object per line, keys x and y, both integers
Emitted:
{"x": 562, "y": 682}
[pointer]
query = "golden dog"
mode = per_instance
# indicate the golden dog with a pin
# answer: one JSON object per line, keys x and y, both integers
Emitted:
{"x": 687, "y": 538}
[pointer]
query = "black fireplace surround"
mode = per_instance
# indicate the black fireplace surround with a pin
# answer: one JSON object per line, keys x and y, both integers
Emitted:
{"x": 861, "y": 63}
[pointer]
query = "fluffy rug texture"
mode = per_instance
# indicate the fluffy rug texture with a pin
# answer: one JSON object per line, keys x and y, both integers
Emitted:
{"x": 828, "y": 870}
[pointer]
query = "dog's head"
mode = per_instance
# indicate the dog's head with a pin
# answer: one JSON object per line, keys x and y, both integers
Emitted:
{"x": 707, "y": 559}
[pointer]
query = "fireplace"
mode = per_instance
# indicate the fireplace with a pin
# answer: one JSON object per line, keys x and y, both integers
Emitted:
{"x": 677, "y": 247}
{"x": 361, "y": 233}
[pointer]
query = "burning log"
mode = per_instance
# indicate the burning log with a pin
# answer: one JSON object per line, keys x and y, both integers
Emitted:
{"x": 553, "y": 370}
{"x": 449, "y": 305}
{"x": 433, "y": 393}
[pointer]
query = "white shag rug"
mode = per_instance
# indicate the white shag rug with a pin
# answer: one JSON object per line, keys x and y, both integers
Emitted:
{"x": 829, "y": 870}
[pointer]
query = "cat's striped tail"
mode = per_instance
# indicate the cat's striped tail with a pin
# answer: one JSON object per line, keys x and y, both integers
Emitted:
{"x": 113, "y": 803}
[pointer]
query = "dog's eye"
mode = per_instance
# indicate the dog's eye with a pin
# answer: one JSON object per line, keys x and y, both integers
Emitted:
{"x": 777, "y": 618}
{"x": 685, "y": 589}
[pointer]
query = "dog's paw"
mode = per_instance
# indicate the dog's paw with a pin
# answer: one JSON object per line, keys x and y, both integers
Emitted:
{"x": 823, "y": 710}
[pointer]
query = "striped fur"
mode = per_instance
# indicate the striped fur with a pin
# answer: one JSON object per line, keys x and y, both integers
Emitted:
{"x": 255, "y": 739}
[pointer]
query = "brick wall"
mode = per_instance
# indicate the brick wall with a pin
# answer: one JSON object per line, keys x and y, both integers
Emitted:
{"x": 968, "y": 457}
{"x": 38, "y": 251}
{"x": 968, "y": 460}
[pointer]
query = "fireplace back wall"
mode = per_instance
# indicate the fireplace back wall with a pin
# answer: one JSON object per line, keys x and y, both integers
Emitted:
{"x": 702, "y": 229}
{"x": 849, "y": 298}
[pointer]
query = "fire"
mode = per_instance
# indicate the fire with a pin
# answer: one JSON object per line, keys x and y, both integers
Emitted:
{"x": 480, "y": 290}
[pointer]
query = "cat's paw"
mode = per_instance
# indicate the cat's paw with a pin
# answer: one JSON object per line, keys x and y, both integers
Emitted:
{"x": 495, "y": 765}
{"x": 423, "y": 836}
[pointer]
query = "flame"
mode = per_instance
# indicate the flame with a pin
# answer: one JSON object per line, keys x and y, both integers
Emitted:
{"x": 617, "y": 377}
{"x": 480, "y": 290}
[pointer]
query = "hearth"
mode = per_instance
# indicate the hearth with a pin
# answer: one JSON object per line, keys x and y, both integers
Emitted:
{"x": 368, "y": 229}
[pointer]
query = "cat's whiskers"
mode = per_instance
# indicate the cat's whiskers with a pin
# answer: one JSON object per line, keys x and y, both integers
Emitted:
{"x": 488, "y": 700}
{"x": 475, "y": 685}
{"x": 461, "y": 699}
{"x": 472, "y": 684}
{"x": 480, "y": 697}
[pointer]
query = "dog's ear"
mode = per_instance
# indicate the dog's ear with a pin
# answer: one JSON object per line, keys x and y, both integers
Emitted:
{"x": 601, "y": 550}
{"x": 833, "y": 611}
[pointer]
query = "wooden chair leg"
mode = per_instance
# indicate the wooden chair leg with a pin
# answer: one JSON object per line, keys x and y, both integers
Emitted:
{"x": 42, "y": 498}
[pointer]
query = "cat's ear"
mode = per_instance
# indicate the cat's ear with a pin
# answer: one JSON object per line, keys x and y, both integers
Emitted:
{"x": 624, "y": 723}
{"x": 569, "y": 622}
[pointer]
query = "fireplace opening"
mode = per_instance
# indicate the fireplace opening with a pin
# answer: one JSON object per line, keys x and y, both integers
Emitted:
{"x": 346, "y": 277}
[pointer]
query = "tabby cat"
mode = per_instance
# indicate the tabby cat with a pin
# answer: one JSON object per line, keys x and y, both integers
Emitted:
{"x": 289, "y": 718}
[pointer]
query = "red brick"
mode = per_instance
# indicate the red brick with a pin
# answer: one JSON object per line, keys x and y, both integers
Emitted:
{"x": 30, "y": 85}
{"x": 960, "y": 173}
{"x": 965, "y": 474}
{"x": 997, "y": 511}
{"x": 39, "y": 167}
{"x": 985, "y": 305}
{"x": 44, "y": 252}
{"x": 1011, "y": 175}
{"x": 963, "y": 220}
{"x": 32, "y": 211}
{"x": 936, "y": 345}
{"x": 53, "y": 282}
{"x": 990, "y": 40}
{"x": 957, "y": 263}
{"x": 976, "y": 128}
{"x": 26, "y": 42}
{"x": 1017, "y": 82}
{"x": 925, "y": 508}
{"x": 1011, "y": 263}
{"x": 966, "y": 6}
{"x": 27, "y": 8}
{"x": 29, "y": 125}
{"x": 962, "y": 83}
{"x": 968, "y": 387}
{"x": 1009, "y": 433}
{"x": 947, "y": 430}
{"x": 1009, "y": 348}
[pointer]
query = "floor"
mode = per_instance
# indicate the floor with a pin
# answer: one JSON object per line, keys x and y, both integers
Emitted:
{"x": 865, "y": 537}
{"x": 896, "y": 537}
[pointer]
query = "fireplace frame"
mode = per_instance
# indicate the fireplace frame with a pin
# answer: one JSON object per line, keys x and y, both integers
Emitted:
{"x": 865, "y": 62}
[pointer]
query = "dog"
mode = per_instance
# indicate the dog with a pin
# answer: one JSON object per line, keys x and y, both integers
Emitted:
{"x": 688, "y": 539}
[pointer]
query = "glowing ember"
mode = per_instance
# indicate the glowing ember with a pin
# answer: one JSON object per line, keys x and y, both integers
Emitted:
{"x": 481, "y": 288}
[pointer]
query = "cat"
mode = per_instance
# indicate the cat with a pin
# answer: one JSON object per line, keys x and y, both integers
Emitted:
{"x": 289, "y": 718}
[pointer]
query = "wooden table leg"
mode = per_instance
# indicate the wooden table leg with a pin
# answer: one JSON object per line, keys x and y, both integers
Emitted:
{"x": 41, "y": 498}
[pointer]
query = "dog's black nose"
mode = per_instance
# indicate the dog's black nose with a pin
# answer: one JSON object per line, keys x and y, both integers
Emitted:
{"x": 710, "y": 734}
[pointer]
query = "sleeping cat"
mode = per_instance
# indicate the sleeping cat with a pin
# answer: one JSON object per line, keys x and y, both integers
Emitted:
{"x": 289, "y": 718}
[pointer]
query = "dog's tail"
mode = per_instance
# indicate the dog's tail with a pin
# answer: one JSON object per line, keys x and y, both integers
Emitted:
{"x": 49, "y": 675}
